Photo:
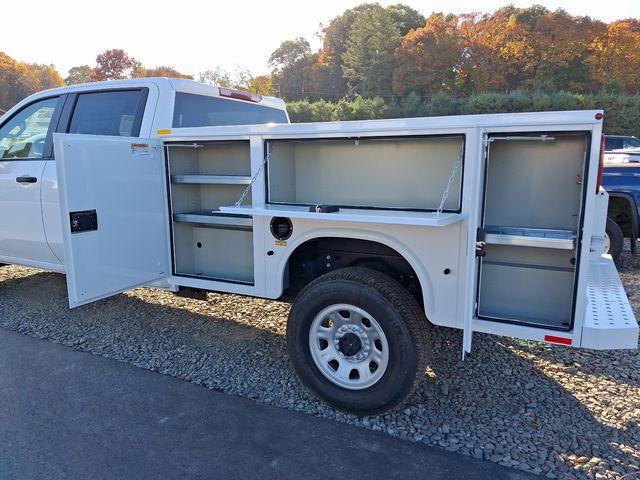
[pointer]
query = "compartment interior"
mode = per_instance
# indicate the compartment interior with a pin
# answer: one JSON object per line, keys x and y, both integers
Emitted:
{"x": 401, "y": 173}
{"x": 535, "y": 184}
{"x": 219, "y": 158}
{"x": 210, "y": 252}
{"x": 533, "y": 201}
{"x": 527, "y": 284}
{"x": 204, "y": 197}
{"x": 207, "y": 243}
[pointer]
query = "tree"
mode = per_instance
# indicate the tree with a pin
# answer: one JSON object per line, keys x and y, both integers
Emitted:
{"x": 289, "y": 53}
{"x": 616, "y": 55}
{"x": 329, "y": 81}
{"x": 327, "y": 72}
{"x": 562, "y": 46}
{"x": 292, "y": 76}
{"x": 114, "y": 64}
{"x": 18, "y": 80}
{"x": 216, "y": 76}
{"x": 261, "y": 84}
{"x": 429, "y": 60}
{"x": 405, "y": 18}
{"x": 80, "y": 74}
{"x": 500, "y": 47}
{"x": 368, "y": 60}
{"x": 43, "y": 77}
{"x": 239, "y": 78}
{"x": 12, "y": 81}
{"x": 160, "y": 71}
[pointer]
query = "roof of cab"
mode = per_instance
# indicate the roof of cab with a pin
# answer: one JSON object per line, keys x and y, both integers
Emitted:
{"x": 177, "y": 84}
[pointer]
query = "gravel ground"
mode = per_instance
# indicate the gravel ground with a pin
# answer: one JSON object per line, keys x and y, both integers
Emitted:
{"x": 544, "y": 409}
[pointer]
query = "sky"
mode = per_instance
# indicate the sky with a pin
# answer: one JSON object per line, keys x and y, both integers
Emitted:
{"x": 196, "y": 35}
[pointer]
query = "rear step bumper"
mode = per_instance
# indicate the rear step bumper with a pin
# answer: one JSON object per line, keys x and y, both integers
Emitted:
{"x": 609, "y": 322}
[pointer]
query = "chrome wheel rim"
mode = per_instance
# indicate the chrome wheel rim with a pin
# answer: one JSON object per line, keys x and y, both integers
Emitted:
{"x": 348, "y": 346}
{"x": 607, "y": 243}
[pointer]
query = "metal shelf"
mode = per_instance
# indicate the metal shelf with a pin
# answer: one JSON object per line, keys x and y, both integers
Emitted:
{"x": 397, "y": 217}
{"x": 208, "y": 217}
{"x": 530, "y": 237}
{"x": 212, "y": 179}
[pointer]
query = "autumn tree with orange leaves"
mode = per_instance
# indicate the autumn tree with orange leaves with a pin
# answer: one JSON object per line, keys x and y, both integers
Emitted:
{"x": 615, "y": 55}
{"x": 517, "y": 48}
{"x": 18, "y": 80}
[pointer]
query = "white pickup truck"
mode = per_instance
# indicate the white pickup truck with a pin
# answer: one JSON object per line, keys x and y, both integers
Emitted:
{"x": 484, "y": 223}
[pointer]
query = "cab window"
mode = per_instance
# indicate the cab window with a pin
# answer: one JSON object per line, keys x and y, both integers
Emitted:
{"x": 115, "y": 113}
{"x": 24, "y": 135}
{"x": 201, "y": 111}
{"x": 612, "y": 143}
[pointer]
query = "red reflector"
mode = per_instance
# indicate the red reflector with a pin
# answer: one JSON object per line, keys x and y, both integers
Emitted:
{"x": 554, "y": 339}
{"x": 240, "y": 95}
{"x": 599, "y": 116}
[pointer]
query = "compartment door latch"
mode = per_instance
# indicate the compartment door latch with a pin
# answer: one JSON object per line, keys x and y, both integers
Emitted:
{"x": 85, "y": 221}
{"x": 481, "y": 242}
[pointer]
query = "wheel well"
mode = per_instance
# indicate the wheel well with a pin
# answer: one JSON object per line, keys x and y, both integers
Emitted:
{"x": 321, "y": 255}
{"x": 621, "y": 211}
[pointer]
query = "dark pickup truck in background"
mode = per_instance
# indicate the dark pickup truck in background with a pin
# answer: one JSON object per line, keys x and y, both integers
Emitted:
{"x": 621, "y": 179}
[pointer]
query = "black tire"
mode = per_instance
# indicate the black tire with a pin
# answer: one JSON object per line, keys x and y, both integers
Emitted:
{"x": 404, "y": 325}
{"x": 616, "y": 240}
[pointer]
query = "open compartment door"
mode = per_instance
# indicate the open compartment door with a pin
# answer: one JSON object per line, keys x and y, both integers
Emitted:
{"x": 114, "y": 214}
{"x": 530, "y": 229}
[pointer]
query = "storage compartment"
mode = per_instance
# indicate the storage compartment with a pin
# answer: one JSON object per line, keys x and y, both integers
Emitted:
{"x": 214, "y": 253}
{"x": 206, "y": 242}
{"x": 219, "y": 158}
{"x": 532, "y": 212}
{"x": 193, "y": 198}
{"x": 535, "y": 183}
{"x": 527, "y": 284}
{"x": 401, "y": 173}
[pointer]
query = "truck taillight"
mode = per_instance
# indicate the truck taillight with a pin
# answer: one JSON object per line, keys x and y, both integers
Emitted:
{"x": 240, "y": 95}
{"x": 600, "y": 165}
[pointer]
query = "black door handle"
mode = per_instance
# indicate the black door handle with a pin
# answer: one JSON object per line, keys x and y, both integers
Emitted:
{"x": 26, "y": 179}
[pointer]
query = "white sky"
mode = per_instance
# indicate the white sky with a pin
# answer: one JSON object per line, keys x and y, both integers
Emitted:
{"x": 196, "y": 35}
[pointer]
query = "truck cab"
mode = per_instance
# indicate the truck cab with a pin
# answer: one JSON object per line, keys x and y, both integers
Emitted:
{"x": 31, "y": 232}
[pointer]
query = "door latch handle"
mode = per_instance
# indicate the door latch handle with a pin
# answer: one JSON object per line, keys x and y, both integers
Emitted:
{"x": 26, "y": 179}
{"x": 85, "y": 221}
{"x": 481, "y": 243}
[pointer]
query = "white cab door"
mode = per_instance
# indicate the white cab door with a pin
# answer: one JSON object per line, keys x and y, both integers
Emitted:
{"x": 24, "y": 150}
{"x": 114, "y": 214}
{"x": 22, "y": 238}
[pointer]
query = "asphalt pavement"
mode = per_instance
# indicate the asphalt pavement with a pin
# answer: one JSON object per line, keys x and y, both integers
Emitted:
{"x": 66, "y": 414}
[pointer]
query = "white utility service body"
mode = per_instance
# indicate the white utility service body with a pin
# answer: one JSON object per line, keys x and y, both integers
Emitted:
{"x": 135, "y": 188}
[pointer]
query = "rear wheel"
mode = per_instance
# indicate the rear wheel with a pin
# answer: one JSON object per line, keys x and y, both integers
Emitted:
{"x": 614, "y": 240}
{"x": 358, "y": 340}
